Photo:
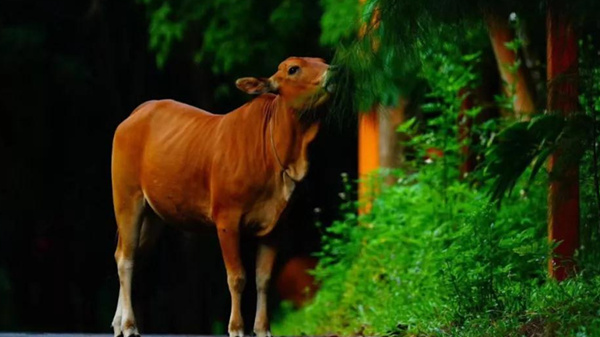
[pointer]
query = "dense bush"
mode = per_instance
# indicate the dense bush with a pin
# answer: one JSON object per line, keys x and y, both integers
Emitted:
{"x": 443, "y": 261}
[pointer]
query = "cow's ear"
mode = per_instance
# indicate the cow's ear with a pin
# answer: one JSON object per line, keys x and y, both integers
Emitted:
{"x": 253, "y": 85}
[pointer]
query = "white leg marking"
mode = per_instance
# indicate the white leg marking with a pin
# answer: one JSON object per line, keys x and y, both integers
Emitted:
{"x": 128, "y": 326}
{"x": 116, "y": 323}
{"x": 263, "y": 333}
{"x": 236, "y": 333}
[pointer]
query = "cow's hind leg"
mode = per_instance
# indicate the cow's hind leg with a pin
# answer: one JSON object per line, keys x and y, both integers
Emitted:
{"x": 149, "y": 234}
{"x": 229, "y": 238}
{"x": 129, "y": 213}
{"x": 152, "y": 228}
{"x": 264, "y": 265}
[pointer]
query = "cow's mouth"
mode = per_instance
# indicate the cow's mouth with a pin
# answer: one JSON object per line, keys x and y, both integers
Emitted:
{"x": 330, "y": 88}
{"x": 331, "y": 79}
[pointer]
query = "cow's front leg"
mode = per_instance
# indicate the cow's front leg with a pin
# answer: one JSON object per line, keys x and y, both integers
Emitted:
{"x": 264, "y": 265}
{"x": 229, "y": 238}
{"x": 116, "y": 323}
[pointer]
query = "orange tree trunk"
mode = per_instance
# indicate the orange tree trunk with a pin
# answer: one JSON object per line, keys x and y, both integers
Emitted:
{"x": 500, "y": 33}
{"x": 368, "y": 157}
{"x": 563, "y": 194}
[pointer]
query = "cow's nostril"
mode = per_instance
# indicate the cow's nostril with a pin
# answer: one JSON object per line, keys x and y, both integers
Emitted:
{"x": 333, "y": 73}
{"x": 331, "y": 88}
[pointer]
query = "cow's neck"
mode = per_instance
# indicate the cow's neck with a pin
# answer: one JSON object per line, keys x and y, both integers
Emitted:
{"x": 289, "y": 137}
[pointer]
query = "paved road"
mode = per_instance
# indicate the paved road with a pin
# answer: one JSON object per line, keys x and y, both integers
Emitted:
{"x": 38, "y": 334}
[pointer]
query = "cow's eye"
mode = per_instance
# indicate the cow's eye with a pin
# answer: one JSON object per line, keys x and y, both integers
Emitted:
{"x": 293, "y": 70}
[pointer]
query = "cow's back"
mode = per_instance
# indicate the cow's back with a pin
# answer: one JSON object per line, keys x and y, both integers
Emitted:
{"x": 164, "y": 150}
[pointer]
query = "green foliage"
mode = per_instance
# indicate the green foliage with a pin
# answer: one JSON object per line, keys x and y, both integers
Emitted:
{"x": 386, "y": 64}
{"x": 339, "y": 21}
{"x": 589, "y": 254}
{"x": 164, "y": 32}
{"x": 437, "y": 261}
{"x": 229, "y": 38}
{"x": 530, "y": 143}
{"x": 523, "y": 144}
{"x": 440, "y": 260}
{"x": 451, "y": 77}
{"x": 233, "y": 34}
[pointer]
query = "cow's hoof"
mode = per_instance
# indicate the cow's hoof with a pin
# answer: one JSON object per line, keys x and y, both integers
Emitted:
{"x": 236, "y": 333}
{"x": 263, "y": 333}
{"x": 131, "y": 332}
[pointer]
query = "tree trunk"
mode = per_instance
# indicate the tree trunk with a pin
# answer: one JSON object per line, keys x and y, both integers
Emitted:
{"x": 391, "y": 149}
{"x": 563, "y": 194}
{"x": 465, "y": 124}
{"x": 368, "y": 135}
{"x": 368, "y": 157}
{"x": 513, "y": 82}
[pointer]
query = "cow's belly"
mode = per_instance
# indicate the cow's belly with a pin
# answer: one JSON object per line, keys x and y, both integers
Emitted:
{"x": 180, "y": 202}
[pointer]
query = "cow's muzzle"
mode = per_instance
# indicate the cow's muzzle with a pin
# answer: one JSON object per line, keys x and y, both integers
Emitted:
{"x": 331, "y": 78}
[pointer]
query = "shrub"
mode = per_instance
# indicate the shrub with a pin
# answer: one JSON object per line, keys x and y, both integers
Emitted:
{"x": 433, "y": 261}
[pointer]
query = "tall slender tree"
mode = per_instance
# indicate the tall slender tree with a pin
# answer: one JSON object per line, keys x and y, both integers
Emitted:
{"x": 563, "y": 194}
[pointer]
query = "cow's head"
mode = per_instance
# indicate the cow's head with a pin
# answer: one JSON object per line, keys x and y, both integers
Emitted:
{"x": 302, "y": 82}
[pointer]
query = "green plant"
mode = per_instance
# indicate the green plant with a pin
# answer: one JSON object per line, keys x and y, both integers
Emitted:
{"x": 436, "y": 257}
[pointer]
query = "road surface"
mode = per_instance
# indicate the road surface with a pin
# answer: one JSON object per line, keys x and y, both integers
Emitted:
{"x": 40, "y": 334}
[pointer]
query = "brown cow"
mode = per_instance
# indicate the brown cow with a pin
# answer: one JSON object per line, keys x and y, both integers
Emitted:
{"x": 236, "y": 171}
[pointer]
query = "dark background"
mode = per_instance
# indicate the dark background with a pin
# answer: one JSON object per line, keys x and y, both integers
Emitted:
{"x": 70, "y": 72}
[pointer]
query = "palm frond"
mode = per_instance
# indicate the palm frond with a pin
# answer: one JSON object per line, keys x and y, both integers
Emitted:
{"x": 526, "y": 144}
{"x": 517, "y": 147}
